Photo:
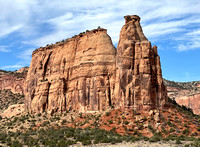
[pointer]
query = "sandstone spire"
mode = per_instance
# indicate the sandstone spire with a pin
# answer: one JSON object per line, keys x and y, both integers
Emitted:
{"x": 139, "y": 81}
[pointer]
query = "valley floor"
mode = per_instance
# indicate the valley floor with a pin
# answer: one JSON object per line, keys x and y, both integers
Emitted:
{"x": 141, "y": 144}
{"x": 135, "y": 144}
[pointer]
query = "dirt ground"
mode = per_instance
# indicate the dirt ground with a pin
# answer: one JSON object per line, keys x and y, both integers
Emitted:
{"x": 139, "y": 144}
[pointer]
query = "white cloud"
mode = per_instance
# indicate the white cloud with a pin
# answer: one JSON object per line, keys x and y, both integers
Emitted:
{"x": 61, "y": 18}
{"x": 190, "y": 41}
{"x": 26, "y": 54}
{"x": 16, "y": 66}
{"x": 194, "y": 33}
{"x": 64, "y": 18}
{"x": 4, "y": 49}
{"x": 8, "y": 30}
{"x": 158, "y": 18}
{"x": 189, "y": 46}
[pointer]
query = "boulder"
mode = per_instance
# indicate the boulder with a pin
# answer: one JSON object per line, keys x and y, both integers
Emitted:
{"x": 13, "y": 110}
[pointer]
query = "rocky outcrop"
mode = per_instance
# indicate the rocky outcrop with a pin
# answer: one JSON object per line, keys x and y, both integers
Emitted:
{"x": 76, "y": 74}
{"x": 7, "y": 98}
{"x": 13, "y": 80}
{"x": 138, "y": 71}
{"x": 190, "y": 101}
{"x": 84, "y": 73}
{"x": 13, "y": 110}
{"x": 185, "y": 93}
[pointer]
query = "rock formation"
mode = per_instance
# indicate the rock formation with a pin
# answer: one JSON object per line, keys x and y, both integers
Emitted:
{"x": 185, "y": 93}
{"x": 13, "y": 80}
{"x": 190, "y": 101}
{"x": 13, "y": 110}
{"x": 138, "y": 71}
{"x": 76, "y": 74}
{"x": 84, "y": 73}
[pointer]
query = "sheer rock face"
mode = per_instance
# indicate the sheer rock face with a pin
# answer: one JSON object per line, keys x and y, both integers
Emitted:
{"x": 190, "y": 101}
{"x": 85, "y": 74}
{"x": 76, "y": 74}
{"x": 139, "y": 81}
{"x": 185, "y": 93}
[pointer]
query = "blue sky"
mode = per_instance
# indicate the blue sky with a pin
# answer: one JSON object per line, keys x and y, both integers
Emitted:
{"x": 172, "y": 25}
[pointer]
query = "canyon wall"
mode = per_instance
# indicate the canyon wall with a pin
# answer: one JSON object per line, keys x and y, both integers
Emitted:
{"x": 190, "y": 101}
{"x": 185, "y": 93}
{"x": 86, "y": 73}
{"x": 76, "y": 74}
{"x": 13, "y": 80}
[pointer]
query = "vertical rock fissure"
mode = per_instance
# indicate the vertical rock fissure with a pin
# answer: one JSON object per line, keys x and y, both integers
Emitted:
{"x": 109, "y": 92}
{"x": 47, "y": 101}
{"x": 45, "y": 65}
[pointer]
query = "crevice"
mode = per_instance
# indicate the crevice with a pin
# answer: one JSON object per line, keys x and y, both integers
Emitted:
{"x": 45, "y": 106}
{"x": 84, "y": 99}
{"x": 64, "y": 91}
{"x": 45, "y": 65}
{"x": 109, "y": 93}
{"x": 129, "y": 97}
{"x": 109, "y": 96}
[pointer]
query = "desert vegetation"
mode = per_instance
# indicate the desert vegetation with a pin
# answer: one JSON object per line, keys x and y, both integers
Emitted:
{"x": 7, "y": 98}
{"x": 178, "y": 125}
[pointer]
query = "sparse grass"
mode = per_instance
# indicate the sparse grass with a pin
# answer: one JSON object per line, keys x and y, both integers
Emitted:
{"x": 8, "y": 98}
{"x": 48, "y": 130}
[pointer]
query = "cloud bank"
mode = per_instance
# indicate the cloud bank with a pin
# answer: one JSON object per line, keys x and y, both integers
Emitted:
{"x": 37, "y": 23}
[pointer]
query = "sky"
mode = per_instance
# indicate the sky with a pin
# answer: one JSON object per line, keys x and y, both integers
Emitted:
{"x": 172, "y": 25}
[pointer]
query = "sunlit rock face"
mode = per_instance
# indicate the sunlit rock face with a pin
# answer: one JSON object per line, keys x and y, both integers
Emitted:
{"x": 86, "y": 73}
{"x": 139, "y": 81}
{"x": 76, "y": 74}
{"x": 13, "y": 80}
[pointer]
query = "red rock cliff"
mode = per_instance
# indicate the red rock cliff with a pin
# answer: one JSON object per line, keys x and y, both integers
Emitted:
{"x": 77, "y": 74}
{"x": 85, "y": 74}
{"x": 185, "y": 93}
{"x": 192, "y": 101}
{"x": 13, "y": 80}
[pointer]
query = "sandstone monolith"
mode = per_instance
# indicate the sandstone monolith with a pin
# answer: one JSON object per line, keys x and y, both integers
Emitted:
{"x": 85, "y": 73}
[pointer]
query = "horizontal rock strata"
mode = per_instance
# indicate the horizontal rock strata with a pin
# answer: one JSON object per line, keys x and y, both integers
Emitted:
{"x": 13, "y": 80}
{"x": 86, "y": 73}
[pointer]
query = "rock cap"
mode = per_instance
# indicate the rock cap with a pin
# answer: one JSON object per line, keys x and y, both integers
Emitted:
{"x": 129, "y": 18}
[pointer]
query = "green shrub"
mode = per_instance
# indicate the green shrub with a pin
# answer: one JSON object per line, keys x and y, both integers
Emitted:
{"x": 62, "y": 143}
{"x": 70, "y": 142}
{"x": 186, "y": 131}
{"x": 110, "y": 121}
{"x": 178, "y": 141}
{"x": 63, "y": 121}
{"x": 113, "y": 129}
{"x": 156, "y": 137}
{"x": 126, "y": 122}
{"x": 196, "y": 143}
{"x": 39, "y": 114}
{"x": 86, "y": 142}
{"x": 70, "y": 132}
{"x": 118, "y": 122}
{"x": 108, "y": 113}
{"x": 16, "y": 144}
{"x": 3, "y": 137}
